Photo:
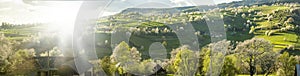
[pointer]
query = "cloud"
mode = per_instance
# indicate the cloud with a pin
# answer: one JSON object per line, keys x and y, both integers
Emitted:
{"x": 224, "y": 1}
{"x": 179, "y": 3}
{"x": 203, "y": 2}
{"x": 106, "y": 13}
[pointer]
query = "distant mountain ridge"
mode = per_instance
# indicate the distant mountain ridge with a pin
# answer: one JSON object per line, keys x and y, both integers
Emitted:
{"x": 254, "y": 2}
{"x": 202, "y": 8}
{"x": 167, "y": 10}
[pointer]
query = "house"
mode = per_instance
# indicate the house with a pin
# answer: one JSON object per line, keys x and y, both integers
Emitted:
{"x": 56, "y": 66}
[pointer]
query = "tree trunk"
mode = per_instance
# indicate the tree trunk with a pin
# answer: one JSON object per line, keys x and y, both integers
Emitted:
{"x": 251, "y": 68}
{"x": 267, "y": 73}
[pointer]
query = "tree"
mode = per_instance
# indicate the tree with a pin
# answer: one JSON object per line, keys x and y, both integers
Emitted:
{"x": 14, "y": 61}
{"x": 250, "y": 52}
{"x": 39, "y": 44}
{"x": 270, "y": 17}
{"x": 202, "y": 56}
{"x": 267, "y": 62}
{"x": 6, "y": 50}
{"x": 214, "y": 57}
{"x": 22, "y": 63}
{"x": 228, "y": 67}
{"x": 191, "y": 18}
{"x": 108, "y": 66}
{"x": 187, "y": 61}
{"x": 183, "y": 62}
{"x": 290, "y": 20}
{"x": 146, "y": 67}
{"x": 286, "y": 65}
{"x": 123, "y": 54}
{"x": 252, "y": 29}
{"x": 130, "y": 60}
{"x": 206, "y": 60}
{"x": 54, "y": 52}
{"x": 135, "y": 54}
{"x": 156, "y": 31}
{"x": 243, "y": 15}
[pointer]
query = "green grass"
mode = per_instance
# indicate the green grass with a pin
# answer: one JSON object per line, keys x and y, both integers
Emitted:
{"x": 152, "y": 24}
{"x": 280, "y": 40}
{"x": 239, "y": 36}
{"x": 102, "y": 48}
{"x": 266, "y": 9}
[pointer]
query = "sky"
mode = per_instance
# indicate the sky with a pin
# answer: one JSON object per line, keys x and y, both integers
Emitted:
{"x": 19, "y": 11}
{"x": 35, "y": 11}
{"x": 118, "y": 5}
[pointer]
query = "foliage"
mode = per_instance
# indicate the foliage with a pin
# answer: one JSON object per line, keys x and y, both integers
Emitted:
{"x": 267, "y": 62}
{"x": 228, "y": 67}
{"x": 206, "y": 60}
{"x": 54, "y": 52}
{"x": 214, "y": 57}
{"x": 183, "y": 62}
{"x": 123, "y": 55}
{"x": 22, "y": 63}
{"x": 13, "y": 62}
{"x": 286, "y": 65}
{"x": 105, "y": 65}
{"x": 6, "y": 51}
{"x": 202, "y": 56}
{"x": 130, "y": 60}
{"x": 187, "y": 62}
{"x": 290, "y": 20}
{"x": 146, "y": 67}
{"x": 251, "y": 53}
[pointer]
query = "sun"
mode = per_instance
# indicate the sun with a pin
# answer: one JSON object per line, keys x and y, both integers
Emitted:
{"x": 61, "y": 16}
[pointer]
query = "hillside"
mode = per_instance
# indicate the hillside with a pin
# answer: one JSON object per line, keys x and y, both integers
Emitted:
{"x": 241, "y": 38}
{"x": 254, "y": 2}
{"x": 203, "y": 8}
{"x": 241, "y": 22}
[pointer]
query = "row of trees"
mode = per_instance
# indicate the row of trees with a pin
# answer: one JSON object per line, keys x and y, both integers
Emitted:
{"x": 255, "y": 56}
{"x": 6, "y": 25}
{"x": 14, "y": 60}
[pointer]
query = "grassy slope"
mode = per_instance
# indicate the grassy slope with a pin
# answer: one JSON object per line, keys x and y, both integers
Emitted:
{"x": 280, "y": 40}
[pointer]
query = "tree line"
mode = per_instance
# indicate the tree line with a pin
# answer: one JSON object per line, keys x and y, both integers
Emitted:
{"x": 251, "y": 57}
